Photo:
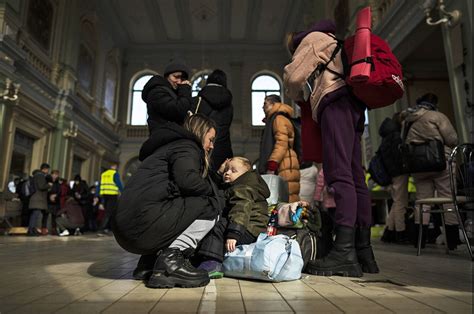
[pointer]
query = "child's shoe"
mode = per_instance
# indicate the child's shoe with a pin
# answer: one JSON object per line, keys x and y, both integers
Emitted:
{"x": 214, "y": 268}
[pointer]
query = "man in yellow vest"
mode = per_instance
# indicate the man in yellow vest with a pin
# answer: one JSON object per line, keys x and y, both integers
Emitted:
{"x": 109, "y": 189}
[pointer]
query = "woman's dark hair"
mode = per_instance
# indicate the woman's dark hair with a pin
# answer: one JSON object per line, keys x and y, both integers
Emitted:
{"x": 273, "y": 98}
{"x": 217, "y": 77}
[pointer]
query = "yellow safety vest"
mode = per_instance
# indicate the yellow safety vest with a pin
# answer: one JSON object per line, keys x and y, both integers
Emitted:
{"x": 411, "y": 185}
{"x": 107, "y": 184}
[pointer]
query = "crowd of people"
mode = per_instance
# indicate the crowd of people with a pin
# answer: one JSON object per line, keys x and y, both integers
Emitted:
{"x": 66, "y": 207}
{"x": 191, "y": 200}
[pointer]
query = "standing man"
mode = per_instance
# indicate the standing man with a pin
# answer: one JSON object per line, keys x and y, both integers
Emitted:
{"x": 39, "y": 198}
{"x": 108, "y": 189}
{"x": 53, "y": 204}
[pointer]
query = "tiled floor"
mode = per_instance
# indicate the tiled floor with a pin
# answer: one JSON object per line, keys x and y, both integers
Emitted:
{"x": 90, "y": 275}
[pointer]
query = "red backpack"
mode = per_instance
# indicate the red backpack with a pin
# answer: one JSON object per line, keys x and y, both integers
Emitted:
{"x": 382, "y": 85}
{"x": 385, "y": 85}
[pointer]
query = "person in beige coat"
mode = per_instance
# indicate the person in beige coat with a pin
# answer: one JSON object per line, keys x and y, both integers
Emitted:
{"x": 426, "y": 123}
{"x": 277, "y": 153}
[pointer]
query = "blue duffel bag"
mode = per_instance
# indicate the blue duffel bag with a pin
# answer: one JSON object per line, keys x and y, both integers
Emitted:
{"x": 271, "y": 258}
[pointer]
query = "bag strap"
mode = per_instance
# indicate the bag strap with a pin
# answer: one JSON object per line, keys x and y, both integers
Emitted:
{"x": 198, "y": 104}
{"x": 324, "y": 66}
{"x": 405, "y": 131}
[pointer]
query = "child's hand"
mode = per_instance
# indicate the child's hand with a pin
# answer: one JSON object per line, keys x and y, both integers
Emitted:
{"x": 223, "y": 166}
{"x": 230, "y": 245}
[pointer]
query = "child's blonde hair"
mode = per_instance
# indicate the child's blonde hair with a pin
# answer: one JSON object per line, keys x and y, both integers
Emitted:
{"x": 244, "y": 161}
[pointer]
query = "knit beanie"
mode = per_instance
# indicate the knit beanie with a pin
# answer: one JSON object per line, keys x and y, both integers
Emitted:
{"x": 177, "y": 65}
{"x": 324, "y": 26}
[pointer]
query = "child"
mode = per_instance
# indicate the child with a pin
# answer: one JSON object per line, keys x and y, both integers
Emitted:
{"x": 244, "y": 218}
{"x": 324, "y": 200}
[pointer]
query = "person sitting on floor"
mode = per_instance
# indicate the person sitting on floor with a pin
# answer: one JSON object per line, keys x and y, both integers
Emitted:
{"x": 70, "y": 217}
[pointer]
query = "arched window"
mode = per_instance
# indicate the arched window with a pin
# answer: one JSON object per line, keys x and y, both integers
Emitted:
{"x": 262, "y": 86}
{"x": 87, "y": 56}
{"x": 138, "y": 112}
{"x": 199, "y": 81}
{"x": 110, "y": 84}
{"x": 40, "y": 22}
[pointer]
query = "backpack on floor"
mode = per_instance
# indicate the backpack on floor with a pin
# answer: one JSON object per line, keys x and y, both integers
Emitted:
{"x": 271, "y": 258}
{"x": 307, "y": 241}
{"x": 383, "y": 85}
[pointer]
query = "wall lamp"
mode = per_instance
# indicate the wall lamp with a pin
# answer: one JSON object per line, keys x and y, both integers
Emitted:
{"x": 11, "y": 90}
{"x": 71, "y": 131}
{"x": 451, "y": 18}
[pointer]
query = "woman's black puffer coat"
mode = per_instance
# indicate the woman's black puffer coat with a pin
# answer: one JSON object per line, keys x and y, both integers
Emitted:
{"x": 164, "y": 103}
{"x": 390, "y": 147}
{"x": 166, "y": 194}
{"x": 216, "y": 103}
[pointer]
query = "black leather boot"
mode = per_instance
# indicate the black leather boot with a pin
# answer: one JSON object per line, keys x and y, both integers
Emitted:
{"x": 423, "y": 235}
{"x": 144, "y": 267}
{"x": 365, "y": 254}
{"x": 388, "y": 236}
{"x": 452, "y": 236}
{"x": 173, "y": 269}
{"x": 401, "y": 237}
{"x": 341, "y": 260}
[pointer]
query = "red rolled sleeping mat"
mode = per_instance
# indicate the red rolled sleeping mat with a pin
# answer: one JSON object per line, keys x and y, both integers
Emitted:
{"x": 360, "y": 70}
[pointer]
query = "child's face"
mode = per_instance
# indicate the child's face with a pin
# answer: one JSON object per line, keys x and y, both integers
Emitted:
{"x": 233, "y": 170}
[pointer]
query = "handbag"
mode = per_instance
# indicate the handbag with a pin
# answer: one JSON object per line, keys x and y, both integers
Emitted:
{"x": 198, "y": 104}
{"x": 424, "y": 157}
{"x": 427, "y": 156}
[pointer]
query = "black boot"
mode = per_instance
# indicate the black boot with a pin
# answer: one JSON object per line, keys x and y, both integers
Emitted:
{"x": 144, "y": 267}
{"x": 341, "y": 260}
{"x": 365, "y": 254}
{"x": 423, "y": 235}
{"x": 452, "y": 236}
{"x": 173, "y": 269}
{"x": 401, "y": 237}
{"x": 388, "y": 236}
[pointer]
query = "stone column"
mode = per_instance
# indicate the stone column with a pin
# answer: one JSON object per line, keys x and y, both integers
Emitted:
{"x": 452, "y": 39}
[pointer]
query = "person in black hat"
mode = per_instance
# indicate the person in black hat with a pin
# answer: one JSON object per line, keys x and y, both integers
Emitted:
{"x": 168, "y": 97}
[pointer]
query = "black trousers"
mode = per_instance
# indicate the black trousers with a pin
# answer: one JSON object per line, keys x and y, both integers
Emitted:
{"x": 110, "y": 206}
{"x": 213, "y": 245}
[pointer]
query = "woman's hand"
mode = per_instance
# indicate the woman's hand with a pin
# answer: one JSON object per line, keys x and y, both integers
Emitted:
{"x": 185, "y": 82}
{"x": 230, "y": 245}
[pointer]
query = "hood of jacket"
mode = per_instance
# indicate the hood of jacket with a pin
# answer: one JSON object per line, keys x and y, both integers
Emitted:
{"x": 255, "y": 181}
{"x": 415, "y": 115}
{"x": 164, "y": 134}
{"x": 388, "y": 126}
{"x": 282, "y": 108}
{"x": 217, "y": 96}
{"x": 156, "y": 80}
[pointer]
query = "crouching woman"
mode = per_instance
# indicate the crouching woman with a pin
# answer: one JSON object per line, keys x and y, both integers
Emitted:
{"x": 170, "y": 204}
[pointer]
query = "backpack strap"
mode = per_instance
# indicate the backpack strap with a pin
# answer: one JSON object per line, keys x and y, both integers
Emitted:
{"x": 406, "y": 128}
{"x": 324, "y": 66}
